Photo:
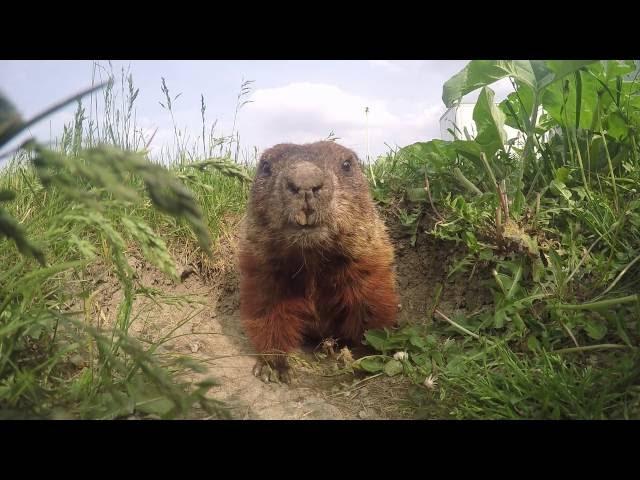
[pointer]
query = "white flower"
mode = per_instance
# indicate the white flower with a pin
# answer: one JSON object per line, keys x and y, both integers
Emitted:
{"x": 430, "y": 382}
{"x": 401, "y": 356}
{"x": 346, "y": 356}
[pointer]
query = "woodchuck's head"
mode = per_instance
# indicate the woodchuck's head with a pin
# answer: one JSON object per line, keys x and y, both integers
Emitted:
{"x": 309, "y": 196}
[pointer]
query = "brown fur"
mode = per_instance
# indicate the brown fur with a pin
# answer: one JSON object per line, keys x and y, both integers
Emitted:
{"x": 334, "y": 279}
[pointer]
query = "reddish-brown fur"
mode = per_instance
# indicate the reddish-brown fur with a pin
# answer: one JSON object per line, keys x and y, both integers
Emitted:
{"x": 338, "y": 284}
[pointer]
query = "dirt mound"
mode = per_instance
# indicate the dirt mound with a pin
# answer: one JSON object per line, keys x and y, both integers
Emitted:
{"x": 421, "y": 267}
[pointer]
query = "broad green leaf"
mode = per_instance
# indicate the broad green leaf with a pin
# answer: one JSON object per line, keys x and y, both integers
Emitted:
{"x": 616, "y": 68}
{"x": 480, "y": 73}
{"x": 422, "y": 149}
{"x": 634, "y": 99}
{"x": 597, "y": 154}
{"x": 435, "y": 154}
{"x": 377, "y": 339}
{"x": 517, "y": 107}
{"x": 468, "y": 149}
{"x": 562, "y": 174}
{"x": 418, "y": 342}
{"x": 537, "y": 74}
{"x": 616, "y": 126}
{"x": 489, "y": 121}
{"x": 371, "y": 364}
{"x": 393, "y": 367}
{"x": 397, "y": 342}
{"x": 559, "y": 101}
{"x": 562, "y": 68}
{"x": 423, "y": 360}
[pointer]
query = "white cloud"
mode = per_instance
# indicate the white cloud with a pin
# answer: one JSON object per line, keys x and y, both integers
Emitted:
{"x": 389, "y": 65}
{"x": 307, "y": 104}
{"x": 306, "y": 112}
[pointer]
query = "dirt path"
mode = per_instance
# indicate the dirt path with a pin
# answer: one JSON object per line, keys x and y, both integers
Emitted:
{"x": 208, "y": 328}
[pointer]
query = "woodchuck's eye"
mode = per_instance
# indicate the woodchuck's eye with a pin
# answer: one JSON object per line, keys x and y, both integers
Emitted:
{"x": 346, "y": 165}
{"x": 265, "y": 169}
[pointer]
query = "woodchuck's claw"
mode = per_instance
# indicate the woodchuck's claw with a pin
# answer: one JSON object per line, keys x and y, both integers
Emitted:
{"x": 285, "y": 375}
{"x": 270, "y": 373}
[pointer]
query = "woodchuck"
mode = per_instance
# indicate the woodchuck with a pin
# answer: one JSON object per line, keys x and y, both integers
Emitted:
{"x": 315, "y": 258}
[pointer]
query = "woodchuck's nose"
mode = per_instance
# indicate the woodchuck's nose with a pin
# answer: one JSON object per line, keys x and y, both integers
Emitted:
{"x": 305, "y": 179}
{"x": 305, "y": 184}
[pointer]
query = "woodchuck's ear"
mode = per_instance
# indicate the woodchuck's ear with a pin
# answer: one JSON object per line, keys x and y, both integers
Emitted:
{"x": 264, "y": 169}
{"x": 264, "y": 165}
{"x": 347, "y": 162}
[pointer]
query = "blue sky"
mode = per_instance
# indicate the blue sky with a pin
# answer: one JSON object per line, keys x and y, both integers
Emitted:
{"x": 292, "y": 101}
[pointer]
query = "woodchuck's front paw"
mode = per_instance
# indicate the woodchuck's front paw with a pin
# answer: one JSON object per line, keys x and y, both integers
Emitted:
{"x": 273, "y": 371}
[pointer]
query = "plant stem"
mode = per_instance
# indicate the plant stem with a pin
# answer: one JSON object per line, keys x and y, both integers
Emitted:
{"x": 458, "y": 326}
{"x": 602, "y": 304}
{"x": 604, "y": 346}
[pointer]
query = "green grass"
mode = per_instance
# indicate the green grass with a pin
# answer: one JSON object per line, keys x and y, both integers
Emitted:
{"x": 556, "y": 223}
{"x": 46, "y": 319}
{"x": 80, "y": 208}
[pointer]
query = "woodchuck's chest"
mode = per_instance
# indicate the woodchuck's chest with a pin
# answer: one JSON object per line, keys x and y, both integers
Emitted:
{"x": 325, "y": 286}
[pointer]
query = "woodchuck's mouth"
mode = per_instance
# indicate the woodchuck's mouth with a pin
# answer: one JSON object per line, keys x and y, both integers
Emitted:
{"x": 305, "y": 227}
{"x": 294, "y": 228}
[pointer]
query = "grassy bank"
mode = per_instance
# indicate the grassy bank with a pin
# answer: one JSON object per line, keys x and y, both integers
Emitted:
{"x": 76, "y": 212}
{"x": 553, "y": 219}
